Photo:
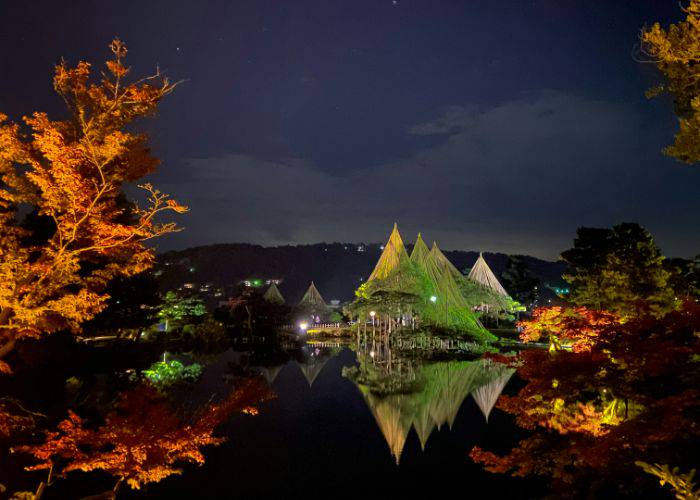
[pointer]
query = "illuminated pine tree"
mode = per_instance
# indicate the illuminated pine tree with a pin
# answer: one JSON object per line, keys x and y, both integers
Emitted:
{"x": 634, "y": 277}
{"x": 620, "y": 270}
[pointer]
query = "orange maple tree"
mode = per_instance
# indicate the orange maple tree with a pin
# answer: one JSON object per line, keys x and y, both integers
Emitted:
{"x": 12, "y": 420}
{"x": 142, "y": 440}
{"x": 579, "y": 325}
{"x": 70, "y": 174}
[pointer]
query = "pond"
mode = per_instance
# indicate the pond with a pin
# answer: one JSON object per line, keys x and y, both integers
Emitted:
{"x": 357, "y": 419}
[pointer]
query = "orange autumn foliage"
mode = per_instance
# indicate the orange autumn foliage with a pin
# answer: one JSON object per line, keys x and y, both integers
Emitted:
{"x": 12, "y": 421}
{"x": 580, "y": 325}
{"x": 142, "y": 440}
{"x": 70, "y": 174}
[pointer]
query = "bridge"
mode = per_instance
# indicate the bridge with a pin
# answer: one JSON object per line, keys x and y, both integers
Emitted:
{"x": 321, "y": 329}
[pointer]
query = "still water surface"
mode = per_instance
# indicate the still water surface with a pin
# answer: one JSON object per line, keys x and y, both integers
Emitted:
{"x": 349, "y": 423}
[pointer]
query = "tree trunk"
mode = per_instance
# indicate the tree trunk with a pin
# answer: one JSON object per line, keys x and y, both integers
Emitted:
{"x": 117, "y": 486}
{"x": 40, "y": 491}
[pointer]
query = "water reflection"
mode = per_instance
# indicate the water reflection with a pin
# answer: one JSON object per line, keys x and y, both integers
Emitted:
{"x": 403, "y": 390}
{"x": 268, "y": 360}
{"x": 289, "y": 387}
{"x": 313, "y": 359}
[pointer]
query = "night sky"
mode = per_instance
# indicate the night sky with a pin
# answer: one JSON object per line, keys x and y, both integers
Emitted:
{"x": 499, "y": 126}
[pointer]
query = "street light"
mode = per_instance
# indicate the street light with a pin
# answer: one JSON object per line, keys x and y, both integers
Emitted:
{"x": 433, "y": 299}
{"x": 303, "y": 326}
{"x": 372, "y": 314}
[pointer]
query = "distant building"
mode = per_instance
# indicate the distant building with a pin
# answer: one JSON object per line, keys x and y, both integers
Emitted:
{"x": 255, "y": 282}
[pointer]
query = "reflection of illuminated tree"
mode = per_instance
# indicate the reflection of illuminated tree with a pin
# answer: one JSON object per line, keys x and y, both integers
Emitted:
{"x": 164, "y": 375}
{"x": 632, "y": 396}
{"x": 402, "y": 393}
{"x": 142, "y": 440}
{"x": 313, "y": 359}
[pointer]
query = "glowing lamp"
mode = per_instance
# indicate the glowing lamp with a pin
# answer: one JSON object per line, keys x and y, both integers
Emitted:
{"x": 372, "y": 313}
{"x": 303, "y": 326}
{"x": 433, "y": 299}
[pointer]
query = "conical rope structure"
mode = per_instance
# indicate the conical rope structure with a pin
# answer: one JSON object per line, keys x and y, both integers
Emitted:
{"x": 481, "y": 273}
{"x": 273, "y": 295}
{"x": 312, "y": 297}
{"x": 425, "y": 287}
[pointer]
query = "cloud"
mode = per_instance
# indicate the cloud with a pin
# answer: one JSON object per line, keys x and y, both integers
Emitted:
{"x": 517, "y": 177}
{"x": 453, "y": 119}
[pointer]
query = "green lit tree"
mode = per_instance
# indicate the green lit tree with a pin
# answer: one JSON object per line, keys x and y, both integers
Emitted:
{"x": 585, "y": 262}
{"x": 694, "y": 277}
{"x": 335, "y": 317}
{"x": 177, "y": 311}
{"x": 684, "y": 276}
{"x": 620, "y": 270}
{"x": 634, "y": 274}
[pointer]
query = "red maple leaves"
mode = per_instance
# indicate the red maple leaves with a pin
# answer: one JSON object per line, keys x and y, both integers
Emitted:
{"x": 628, "y": 393}
{"x": 142, "y": 440}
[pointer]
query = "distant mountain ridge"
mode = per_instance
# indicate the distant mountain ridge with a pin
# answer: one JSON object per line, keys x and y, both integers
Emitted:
{"x": 337, "y": 269}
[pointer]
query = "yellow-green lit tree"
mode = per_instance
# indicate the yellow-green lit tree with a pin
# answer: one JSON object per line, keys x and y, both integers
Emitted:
{"x": 620, "y": 270}
{"x": 676, "y": 53}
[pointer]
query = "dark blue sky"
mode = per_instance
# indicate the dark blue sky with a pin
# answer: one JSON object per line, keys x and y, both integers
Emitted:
{"x": 487, "y": 125}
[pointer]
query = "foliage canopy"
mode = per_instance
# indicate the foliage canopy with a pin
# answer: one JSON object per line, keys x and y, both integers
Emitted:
{"x": 70, "y": 174}
{"x": 676, "y": 53}
{"x": 620, "y": 270}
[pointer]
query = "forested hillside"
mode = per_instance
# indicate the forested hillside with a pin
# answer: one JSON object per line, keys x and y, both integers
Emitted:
{"x": 336, "y": 268}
